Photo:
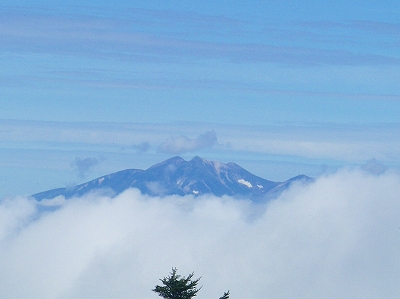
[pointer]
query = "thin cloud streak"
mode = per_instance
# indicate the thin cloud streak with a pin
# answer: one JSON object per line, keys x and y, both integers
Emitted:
{"x": 335, "y": 238}
{"x": 104, "y": 37}
{"x": 348, "y": 142}
{"x": 100, "y": 79}
{"x": 381, "y": 28}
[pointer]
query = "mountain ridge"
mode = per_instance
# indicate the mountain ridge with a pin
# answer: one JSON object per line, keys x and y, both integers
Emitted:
{"x": 176, "y": 176}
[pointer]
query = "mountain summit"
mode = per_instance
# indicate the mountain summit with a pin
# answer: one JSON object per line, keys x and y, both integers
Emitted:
{"x": 176, "y": 176}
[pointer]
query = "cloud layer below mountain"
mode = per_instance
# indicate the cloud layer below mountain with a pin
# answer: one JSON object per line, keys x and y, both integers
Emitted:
{"x": 336, "y": 238}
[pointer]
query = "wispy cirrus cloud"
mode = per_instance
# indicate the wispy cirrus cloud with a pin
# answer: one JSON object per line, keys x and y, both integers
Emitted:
{"x": 138, "y": 38}
{"x": 381, "y": 28}
{"x": 349, "y": 142}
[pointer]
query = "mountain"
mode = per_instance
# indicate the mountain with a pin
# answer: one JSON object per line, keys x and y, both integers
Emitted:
{"x": 176, "y": 176}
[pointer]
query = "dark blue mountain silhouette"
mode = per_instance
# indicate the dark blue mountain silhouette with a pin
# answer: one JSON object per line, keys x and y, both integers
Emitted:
{"x": 176, "y": 176}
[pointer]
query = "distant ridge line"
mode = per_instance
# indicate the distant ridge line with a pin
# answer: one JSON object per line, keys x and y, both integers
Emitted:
{"x": 176, "y": 176}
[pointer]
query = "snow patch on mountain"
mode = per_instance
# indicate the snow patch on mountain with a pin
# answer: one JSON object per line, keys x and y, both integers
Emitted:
{"x": 246, "y": 183}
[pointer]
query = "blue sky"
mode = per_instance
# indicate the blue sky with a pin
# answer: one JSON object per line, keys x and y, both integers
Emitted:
{"x": 280, "y": 87}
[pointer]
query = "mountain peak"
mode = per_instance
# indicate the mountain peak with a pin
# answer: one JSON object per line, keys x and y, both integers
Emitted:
{"x": 175, "y": 176}
{"x": 198, "y": 160}
{"x": 171, "y": 161}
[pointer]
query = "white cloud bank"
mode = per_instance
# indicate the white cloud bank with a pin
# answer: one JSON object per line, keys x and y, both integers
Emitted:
{"x": 336, "y": 238}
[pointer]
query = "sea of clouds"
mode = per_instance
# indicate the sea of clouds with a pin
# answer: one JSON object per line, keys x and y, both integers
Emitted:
{"x": 338, "y": 237}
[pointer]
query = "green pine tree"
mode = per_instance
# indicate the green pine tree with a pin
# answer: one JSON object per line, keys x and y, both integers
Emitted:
{"x": 225, "y": 296}
{"x": 177, "y": 287}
